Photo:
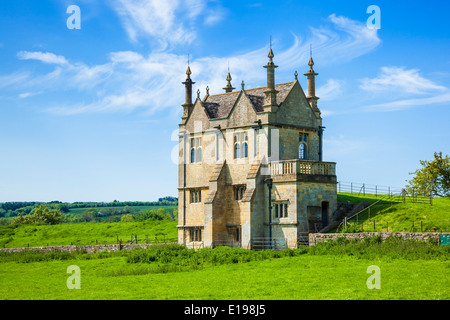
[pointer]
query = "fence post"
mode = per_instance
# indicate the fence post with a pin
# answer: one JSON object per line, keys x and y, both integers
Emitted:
{"x": 146, "y": 239}
{"x": 351, "y": 187}
{"x": 431, "y": 198}
{"x": 135, "y": 239}
{"x": 387, "y": 226}
{"x": 421, "y": 226}
{"x": 373, "y": 225}
{"x": 364, "y": 189}
{"x": 375, "y": 191}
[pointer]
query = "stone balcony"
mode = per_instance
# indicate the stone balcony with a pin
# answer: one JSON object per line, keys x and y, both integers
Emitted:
{"x": 303, "y": 170}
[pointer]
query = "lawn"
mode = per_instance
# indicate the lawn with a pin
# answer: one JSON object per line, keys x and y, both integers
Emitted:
{"x": 407, "y": 270}
{"x": 86, "y": 233}
{"x": 298, "y": 278}
{"x": 331, "y": 271}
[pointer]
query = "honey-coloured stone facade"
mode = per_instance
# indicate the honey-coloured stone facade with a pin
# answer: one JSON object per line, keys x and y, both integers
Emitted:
{"x": 250, "y": 166}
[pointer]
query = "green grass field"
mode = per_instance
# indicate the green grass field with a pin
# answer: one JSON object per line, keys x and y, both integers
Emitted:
{"x": 408, "y": 270}
{"x": 298, "y": 275}
{"x": 402, "y": 216}
{"x": 86, "y": 233}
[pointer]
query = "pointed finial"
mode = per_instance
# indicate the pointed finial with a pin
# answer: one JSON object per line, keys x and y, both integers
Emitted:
{"x": 207, "y": 90}
{"x": 188, "y": 72}
{"x": 198, "y": 93}
{"x": 242, "y": 84}
{"x": 296, "y": 75}
{"x": 310, "y": 64}
{"x": 270, "y": 55}
{"x": 228, "y": 87}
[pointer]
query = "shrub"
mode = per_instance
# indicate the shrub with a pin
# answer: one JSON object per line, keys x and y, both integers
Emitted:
{"x": 41, "y": 215}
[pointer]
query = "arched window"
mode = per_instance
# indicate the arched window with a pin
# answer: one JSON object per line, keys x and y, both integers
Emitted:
{"x": 245, "y": 150}
{"x": 240, "y": 145}
{"x": 196, "y": 150}
{"x": 192, "y": 155}
{"x": 302, "y": 152}
{"x": 237, "y": 150}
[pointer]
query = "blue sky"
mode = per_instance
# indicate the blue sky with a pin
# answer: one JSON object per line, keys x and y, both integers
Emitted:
{"x": 90, "y": 114}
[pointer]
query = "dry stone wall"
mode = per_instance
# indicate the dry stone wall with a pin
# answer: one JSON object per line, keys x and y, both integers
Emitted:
{"x": 315, "y": 238}
{"x": 87, "y": 249}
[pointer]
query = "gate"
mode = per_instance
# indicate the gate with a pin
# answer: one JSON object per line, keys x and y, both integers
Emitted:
{"x": 265, "y": 243}
{"x": 303, "y": 239}
{"x": 226, "y": 243}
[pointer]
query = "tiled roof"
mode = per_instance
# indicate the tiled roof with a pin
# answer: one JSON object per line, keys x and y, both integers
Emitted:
{"x": 219, "y": 106}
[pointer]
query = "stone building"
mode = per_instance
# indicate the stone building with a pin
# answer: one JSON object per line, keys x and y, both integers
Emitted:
{"x": 251, "y": 168}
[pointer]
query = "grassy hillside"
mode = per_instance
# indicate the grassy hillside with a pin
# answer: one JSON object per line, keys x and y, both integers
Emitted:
{"x": 400, "y": 216}
{"x": 135, "y": 208}
{"x": 87, "y": 233}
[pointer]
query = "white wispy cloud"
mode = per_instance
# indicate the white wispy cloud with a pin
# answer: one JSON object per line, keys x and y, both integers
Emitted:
{"x": 168, "y": 21}
{"x": 214, "y": 16}
{"x": 28, "y": 94}
{"x": 330, "y": 90}
{"x": 404, "y": 104}
{"x": 129, "y": 80}
{"x": 14, "y": 79}
{"x": 400, "y": 78}
{"x": 46, "y": 57}
{"x": 338, "y": 41}
{"x": 406, "y": 89}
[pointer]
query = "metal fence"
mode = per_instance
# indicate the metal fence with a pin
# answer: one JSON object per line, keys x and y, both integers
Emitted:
{"x": 226, "y": 243}
{"x": 363, "y": 188}
{"x": 266, "y": 243}
{"x": 394, "y": 193}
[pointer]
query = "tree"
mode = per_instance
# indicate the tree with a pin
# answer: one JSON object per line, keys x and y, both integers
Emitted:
{"x": 433, "y": 178}
{"x": 89, "y": 214}
{"x": 126, "y": 218}
{"x": 41, "y": 215}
